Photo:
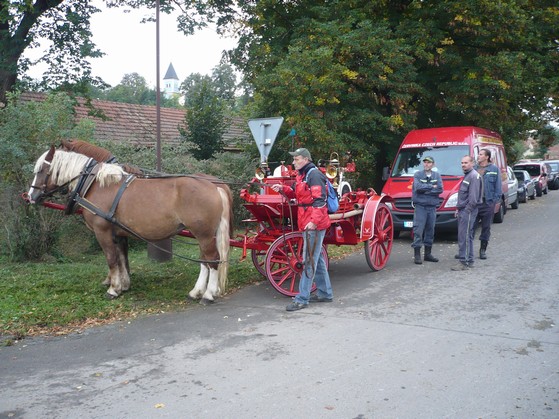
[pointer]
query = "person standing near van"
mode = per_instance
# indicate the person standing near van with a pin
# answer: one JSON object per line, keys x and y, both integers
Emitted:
{"x": 492, "y": 191}
{"x": 427, "y": 186}
{"x": 469, "y": 197}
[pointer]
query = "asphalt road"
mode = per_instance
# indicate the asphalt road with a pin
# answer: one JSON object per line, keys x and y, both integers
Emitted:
{"x": 407, "y": 342}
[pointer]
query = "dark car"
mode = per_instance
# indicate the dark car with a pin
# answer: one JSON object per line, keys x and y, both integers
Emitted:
{"x": 538, "y": 171}
{"x": 553, "y": 179}
{"x": 526, "y": 186}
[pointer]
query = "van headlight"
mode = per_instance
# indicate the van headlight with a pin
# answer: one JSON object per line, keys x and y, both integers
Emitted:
{"x": 452, "y": 201}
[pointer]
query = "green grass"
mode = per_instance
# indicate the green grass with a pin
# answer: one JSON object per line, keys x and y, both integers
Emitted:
{"x": 57, "y": 298}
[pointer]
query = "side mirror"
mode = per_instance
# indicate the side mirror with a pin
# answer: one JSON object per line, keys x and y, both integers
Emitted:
{"x": 385, "y": 173}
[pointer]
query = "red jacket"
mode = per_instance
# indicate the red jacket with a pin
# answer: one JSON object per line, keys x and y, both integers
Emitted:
{"x": 311, "y": 198}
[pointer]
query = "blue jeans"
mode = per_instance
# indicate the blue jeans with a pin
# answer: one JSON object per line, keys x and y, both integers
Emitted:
{"x": 424, "y": 225}
{"x": 317, "y": 273}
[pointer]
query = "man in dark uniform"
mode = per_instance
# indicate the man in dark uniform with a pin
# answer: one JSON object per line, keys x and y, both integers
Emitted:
{"x": 427, "y": 186}
{"x": 492, "y": 191}
{"x": 469, "y": 196}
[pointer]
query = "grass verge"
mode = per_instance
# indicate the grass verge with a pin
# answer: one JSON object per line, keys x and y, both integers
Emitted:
{"x": 60, "y": 298}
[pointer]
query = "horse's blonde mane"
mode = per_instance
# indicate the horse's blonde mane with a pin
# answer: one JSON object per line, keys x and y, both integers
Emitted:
{"x": 109, "y": 174}
{"x": 67, "y": 166}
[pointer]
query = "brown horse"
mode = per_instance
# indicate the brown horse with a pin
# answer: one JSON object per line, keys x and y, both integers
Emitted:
{"x": 153, "y": 209}
{"x": 101, "y": 154}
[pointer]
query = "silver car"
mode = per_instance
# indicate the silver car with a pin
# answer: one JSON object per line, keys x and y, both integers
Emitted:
{"x": 526, "y": 185}
{"x": 513, "y": 188}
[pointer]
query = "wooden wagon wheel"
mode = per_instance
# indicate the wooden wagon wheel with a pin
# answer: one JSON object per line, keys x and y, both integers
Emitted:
{"x": 284, "y": 263}
{"x": 378, "y": 247}
{"x": 259, "y": 259}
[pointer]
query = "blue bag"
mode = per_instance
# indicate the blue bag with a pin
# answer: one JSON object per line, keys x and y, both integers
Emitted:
{"x": 332, "y": 196}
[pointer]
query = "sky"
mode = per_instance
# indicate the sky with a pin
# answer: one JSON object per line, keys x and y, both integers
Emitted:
{"x": 130, "y": 47}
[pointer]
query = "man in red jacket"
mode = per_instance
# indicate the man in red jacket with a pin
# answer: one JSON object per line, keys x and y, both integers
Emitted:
{"x": 312, "y": 214}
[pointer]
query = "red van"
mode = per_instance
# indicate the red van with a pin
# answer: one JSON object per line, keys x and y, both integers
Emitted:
{"x": 447, "y": 146}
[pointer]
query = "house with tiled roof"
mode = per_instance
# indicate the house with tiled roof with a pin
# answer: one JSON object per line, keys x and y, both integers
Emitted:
{"x": 136, "y": 124}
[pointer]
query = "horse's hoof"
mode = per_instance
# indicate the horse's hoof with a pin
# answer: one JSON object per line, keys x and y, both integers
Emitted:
{"x": 206, "y": 302}
{"x": 190, "y": 297}
{"x": 111, "y": 296}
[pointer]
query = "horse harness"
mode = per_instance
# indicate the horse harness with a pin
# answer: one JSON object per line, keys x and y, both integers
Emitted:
{"x": 77, "y": 197}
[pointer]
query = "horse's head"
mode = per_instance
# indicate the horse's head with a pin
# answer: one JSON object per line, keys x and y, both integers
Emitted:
{"x": 40, "y": 186}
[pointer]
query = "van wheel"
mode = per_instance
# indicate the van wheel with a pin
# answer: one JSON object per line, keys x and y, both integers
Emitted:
{"x": 500, "y": 215}
{"x": 538, "y": 190}
{"x": 514, "y": 205}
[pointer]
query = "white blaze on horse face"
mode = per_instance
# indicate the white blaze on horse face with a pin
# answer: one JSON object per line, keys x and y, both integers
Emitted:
{"x": 34, "y": 191}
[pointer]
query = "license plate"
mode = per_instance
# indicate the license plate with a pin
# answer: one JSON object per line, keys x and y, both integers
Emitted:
{"x": 408, "y": 224}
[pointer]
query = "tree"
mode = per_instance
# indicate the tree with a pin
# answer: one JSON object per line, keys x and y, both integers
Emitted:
{"x": 66, "y": 24}
{"x": 205, "y": 121}
{"x": 359, "y": 74}
{"x": 222, "y": 81}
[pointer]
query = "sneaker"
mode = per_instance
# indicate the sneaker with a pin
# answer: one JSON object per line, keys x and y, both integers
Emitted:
{"x": 459, "y": 267}
{"x": 294, "y": 306}
{"x": 316, "y": 299}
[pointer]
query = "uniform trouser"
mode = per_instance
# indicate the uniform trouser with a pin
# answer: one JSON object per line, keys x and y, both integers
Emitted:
{"x": 313, "y": 272}
{"x": 424, "y": 225}
{"x": 466, "y": 226}
{"x": 485, "y": 214}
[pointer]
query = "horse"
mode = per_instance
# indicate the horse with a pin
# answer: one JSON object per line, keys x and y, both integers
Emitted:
{"x": 117, "y": 205}
{"x": 101, "y": 154}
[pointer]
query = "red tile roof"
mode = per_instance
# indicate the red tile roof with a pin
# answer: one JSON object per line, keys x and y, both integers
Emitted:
{"x": 136, "y": 124}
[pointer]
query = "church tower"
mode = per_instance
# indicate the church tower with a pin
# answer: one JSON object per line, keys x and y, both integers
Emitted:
{"x": 171, "y": 83}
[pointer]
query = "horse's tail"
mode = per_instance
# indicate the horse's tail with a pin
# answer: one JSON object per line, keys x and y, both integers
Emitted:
{"x": 223, "y": 237}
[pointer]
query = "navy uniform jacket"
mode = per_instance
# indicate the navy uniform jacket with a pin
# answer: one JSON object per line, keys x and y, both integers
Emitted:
{"x": 469, "y": 194}
{"x": 492, "y": 187}
{"x": 423, "y": 192}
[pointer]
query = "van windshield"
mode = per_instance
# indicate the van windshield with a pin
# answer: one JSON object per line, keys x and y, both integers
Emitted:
{"x": 447, "y": 160}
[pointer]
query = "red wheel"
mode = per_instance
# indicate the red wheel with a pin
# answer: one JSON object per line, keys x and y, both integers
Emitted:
{"x": 378, "y": 247}
{"x": 259, "y": 260}
{"x": 284, "y": 263}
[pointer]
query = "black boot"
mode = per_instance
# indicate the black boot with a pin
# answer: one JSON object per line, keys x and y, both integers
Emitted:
{"x": 482, "y": 249}
{"x": 417, "y": 255}
{"x": 428, "y": 256}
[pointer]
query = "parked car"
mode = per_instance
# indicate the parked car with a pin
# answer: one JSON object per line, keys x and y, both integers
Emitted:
{"x": 553, "y": 179}
{"x": 513, "y": 188}
{"x": 538, "y": 171}
{"x": 526, "y": 185}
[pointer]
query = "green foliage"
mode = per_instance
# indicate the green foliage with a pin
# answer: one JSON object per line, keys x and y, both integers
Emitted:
{"x": 222, "y": 82}
{"x": 205, "y": 119}
{"x": 26, "y": 131}
{"x": 358, "y": 75}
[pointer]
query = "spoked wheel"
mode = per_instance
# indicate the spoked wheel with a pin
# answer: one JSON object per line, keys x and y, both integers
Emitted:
{"x": 284, "y": 263}
{"x": 377, "y": 248}
{"x": 259, "y": 260}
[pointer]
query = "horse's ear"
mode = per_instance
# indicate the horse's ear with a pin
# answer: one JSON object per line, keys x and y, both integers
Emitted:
{"x": 50, "y": 154}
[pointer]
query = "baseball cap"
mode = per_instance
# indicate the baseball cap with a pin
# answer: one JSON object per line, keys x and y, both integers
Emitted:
{"x": 303, "y": 152}
{"x": 429, "y": 159}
